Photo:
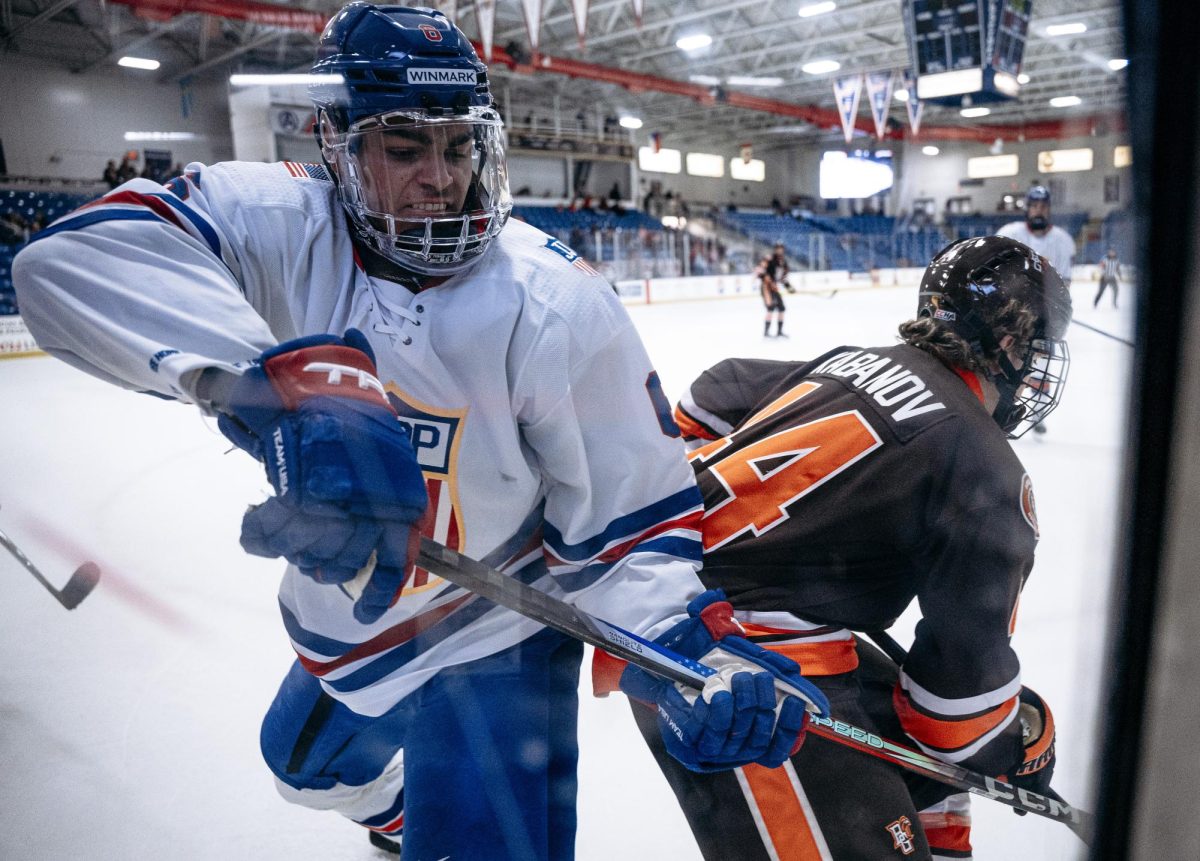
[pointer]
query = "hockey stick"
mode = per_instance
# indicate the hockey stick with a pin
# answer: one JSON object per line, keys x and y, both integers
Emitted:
{"x": 553, "y": 613}
{"x": 1082, "y": 827}
{"x": 81, "y": 584}
{"x": 1102, "y": 332}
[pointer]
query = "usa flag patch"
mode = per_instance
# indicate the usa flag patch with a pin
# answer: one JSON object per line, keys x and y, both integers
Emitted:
{"x": 303, "y": 170}
{"x": 572, "y": 257}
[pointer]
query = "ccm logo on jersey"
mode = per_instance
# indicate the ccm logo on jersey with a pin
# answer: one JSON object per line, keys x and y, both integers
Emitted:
{"x": 449, "y": 77}
{"x": 892, "y": 386}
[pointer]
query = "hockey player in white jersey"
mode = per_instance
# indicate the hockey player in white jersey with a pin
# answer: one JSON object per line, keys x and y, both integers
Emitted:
{"x": 1036, "y": 231}
{"x": 404, "y": 360}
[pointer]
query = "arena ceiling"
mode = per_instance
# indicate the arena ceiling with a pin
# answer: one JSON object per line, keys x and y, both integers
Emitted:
{"x": 750, "y": 38}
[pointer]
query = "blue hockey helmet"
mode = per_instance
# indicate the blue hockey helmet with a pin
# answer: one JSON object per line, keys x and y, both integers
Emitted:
{"x": 985, "y": 288}
{"x": 406, "y": 122}
{"x": 1037, "y": 192}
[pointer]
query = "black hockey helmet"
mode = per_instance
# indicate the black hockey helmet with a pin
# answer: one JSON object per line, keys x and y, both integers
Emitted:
{"x": 982, "y": 289}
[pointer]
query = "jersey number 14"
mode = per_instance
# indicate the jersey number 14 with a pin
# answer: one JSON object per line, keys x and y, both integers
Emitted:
{"x": 762, "y": 478}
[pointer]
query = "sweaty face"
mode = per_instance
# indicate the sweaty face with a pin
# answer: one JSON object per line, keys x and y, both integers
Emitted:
{"x": 417, "y": 172}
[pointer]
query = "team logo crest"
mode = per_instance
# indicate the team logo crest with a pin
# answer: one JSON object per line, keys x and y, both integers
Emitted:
{"x": 1028, "y": 508}
{"x": 435, "y": 435}
{"x": 902, "y": 836}
{"x": 432, "y": 33}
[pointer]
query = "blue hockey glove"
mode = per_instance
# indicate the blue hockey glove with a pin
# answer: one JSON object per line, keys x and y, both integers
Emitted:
{"x": 1036, "y": 768}
{"x": 346, "y": 480}
{"x": 740, "y": 717}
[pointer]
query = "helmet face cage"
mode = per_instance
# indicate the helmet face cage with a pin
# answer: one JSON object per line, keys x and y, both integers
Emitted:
{"x": 1042, "y": 377}
{"x": 427, "y": 192}
{"x": 971, "y": 281}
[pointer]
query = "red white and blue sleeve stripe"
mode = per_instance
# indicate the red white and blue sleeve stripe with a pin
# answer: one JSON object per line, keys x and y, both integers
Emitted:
{"x": 669, "y": 527}
{"x": 128, "y": 204}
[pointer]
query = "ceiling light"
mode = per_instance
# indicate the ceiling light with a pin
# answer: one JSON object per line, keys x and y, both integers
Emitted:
{"x": 929, "y": 149}
{"x": 706, "y": 80}
{"x": 160, "y": 136}
{"x": 975, "y": 112}
{"x": 821, "y": 67}
{"x": 282, "y": 80}
{"x": 1072, "y": 29}
{"x": 901, "y": 95}
{"x": 630, "y": 122}
{"x": 751, "y": 81}
{"x": 694, "y": 43}
{"x": 812, "y": 9}
{"x": 1022, "y": 78}
{"x": 1065, "y": 101}
{"x": 1118, "y": 63}
{"x": 138, "y": 63}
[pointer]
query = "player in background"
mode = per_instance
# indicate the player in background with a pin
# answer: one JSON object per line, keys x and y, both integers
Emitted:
{"x": 1048, "y": 240}
{"x": 1110, "y": 271}
{"x": 839, "y": 490}
{"x": 772, "y": 272}
{"x": 1036, "y": 231}
{"x": 405, "y": 360}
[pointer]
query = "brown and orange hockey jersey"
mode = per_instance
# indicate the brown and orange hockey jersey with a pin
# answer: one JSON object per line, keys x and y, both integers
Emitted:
{"x": 838, "y": 490}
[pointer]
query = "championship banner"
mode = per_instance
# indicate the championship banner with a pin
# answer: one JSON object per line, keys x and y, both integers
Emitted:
{"x": 846, "y": 92}
{"x": 747, "y": 151}
{"x": 639, "y": 6}
{"x": 914, "y": 105}
{"x": 580, "y": 9}
{"x": 485, "y": 14}
{"x": 655, "y": 141}
{"x": 879, "y": 97}
{"x": 533, "y": 21}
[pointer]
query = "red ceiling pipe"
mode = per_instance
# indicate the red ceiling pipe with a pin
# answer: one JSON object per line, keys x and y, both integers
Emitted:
{"x": 270, "y": 14}
{"x": 314, "y": 22}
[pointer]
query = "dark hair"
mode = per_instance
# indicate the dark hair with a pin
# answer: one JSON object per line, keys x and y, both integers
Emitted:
{"x": 1013, "y": 318}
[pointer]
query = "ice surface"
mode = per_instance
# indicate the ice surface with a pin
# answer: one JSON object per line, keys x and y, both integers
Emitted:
{"x": 130, "y": 725}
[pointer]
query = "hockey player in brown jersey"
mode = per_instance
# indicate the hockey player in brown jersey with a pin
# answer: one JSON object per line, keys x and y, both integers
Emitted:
{"x": 838, "y": 490}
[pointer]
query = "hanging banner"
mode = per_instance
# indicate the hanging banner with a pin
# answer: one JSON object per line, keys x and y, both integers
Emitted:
{"x": 533, "y": 21}
{"x": 638, "y": 7}
{"x": 655, "y": 141}
{"x": 580, "y": 10}
{"x": 485, "y": 14}
{"x": 879, "y": 97}
{"x": 912, "y": 103}
{"x": 449, "y": 8}
{"x": 846, "y": 92}
{"x": 747, "y": 151}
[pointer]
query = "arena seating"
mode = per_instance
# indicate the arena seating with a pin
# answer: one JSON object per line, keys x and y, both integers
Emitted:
{"x": 43, "y": 206}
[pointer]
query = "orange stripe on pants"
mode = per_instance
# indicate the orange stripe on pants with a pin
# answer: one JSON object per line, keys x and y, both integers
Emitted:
{"x": 785, "y": 820}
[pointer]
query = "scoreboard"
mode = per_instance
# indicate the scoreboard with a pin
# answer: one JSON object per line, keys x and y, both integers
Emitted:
{"x": 966, "y": 47}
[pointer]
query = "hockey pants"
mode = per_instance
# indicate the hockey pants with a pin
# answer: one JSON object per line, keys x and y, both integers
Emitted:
{"x": 479, "y": 763}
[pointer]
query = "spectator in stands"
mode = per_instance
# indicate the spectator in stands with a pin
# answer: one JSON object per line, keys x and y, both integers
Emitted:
{"x": 12, "y": 229}
{"x": 127, "y": 170}
{"x": 614, "y": 193}
{"x": 1110, "y": 270}
{"x": 38, "y": 222}
{"x": 110, "y": 174}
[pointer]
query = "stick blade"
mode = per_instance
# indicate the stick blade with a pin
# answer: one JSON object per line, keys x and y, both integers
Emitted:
{"x": 81, "y": 584}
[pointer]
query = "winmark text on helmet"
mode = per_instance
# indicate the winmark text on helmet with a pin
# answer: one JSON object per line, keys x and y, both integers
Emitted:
{"x": 893, "y": 387}
{"x": 441, "y": 76}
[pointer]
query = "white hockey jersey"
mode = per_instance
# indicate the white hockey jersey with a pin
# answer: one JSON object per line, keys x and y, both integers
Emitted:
{"x": 1056, "y": 245}
{"x": 547, "y": 446}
